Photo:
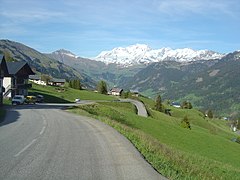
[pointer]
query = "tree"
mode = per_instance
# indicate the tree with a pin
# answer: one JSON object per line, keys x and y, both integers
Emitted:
{"x": 75, "y": 84}
{"x": 45, "y": 78}
{"x": 185, "y": 123}
{"x": 126, "y": 94}
{"x": 210, "y": 114}
{"x": 186, "y": 105}
{"x": 158, "y": 105}
{"x": 102, "y": 87}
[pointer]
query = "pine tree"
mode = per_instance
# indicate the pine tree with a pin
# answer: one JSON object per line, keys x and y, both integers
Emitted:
{"x": 158, "y": 105}
{"x": 102, "y": 87}
{"x": 210, "y": 114}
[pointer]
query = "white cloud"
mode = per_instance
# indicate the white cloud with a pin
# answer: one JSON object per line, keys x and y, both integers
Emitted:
{"x": 202, "y": 7}
{"x": 32, "y": 15}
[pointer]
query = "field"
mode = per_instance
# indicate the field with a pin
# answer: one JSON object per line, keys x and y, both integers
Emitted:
{"x": 65, "y": 94}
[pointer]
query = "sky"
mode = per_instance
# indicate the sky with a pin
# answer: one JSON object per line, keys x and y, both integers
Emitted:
{"x": 87, "y": 27}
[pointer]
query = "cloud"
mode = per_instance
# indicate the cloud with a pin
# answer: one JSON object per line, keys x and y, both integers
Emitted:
{"x": 201, "y": 7}
{"x": 30, "y": 15}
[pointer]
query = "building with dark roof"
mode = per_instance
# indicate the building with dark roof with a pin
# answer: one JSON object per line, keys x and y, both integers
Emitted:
{"x": 116, "y": 91}
{"x": 16, "y": 82}
{"x": 57, "y": 82}
{"x": 37, "y": 80}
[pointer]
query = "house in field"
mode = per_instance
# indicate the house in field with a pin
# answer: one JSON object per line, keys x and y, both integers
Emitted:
{"x": 37, "y": 79}
{"x": 3, "y": 72}
{"x": 57, "y": 82}
{"x": 134, "y": 93}
{"x": 176, "y": 104}
{"x": 16, "y": 82}
{"x": 116, "y": 92}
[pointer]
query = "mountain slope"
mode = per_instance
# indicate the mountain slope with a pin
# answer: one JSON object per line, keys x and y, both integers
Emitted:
{"x": 212, "y": 84}
{"x": 143, "y": 54}
{"x": 97, "y": 70}
{"x": 42, "y": 63}
{"x": 215, "y": 88}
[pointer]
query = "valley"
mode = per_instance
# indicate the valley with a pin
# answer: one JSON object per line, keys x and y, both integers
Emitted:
{"x": 209, "y": 80}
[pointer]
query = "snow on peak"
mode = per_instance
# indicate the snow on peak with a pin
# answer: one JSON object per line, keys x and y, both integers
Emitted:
{"x": 143, "y": 54}
{"x": 63, "y": 52}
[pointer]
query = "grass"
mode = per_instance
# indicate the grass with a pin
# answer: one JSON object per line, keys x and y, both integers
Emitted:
{"x": 204, "y": 152}
{"x": 66, "y": 94}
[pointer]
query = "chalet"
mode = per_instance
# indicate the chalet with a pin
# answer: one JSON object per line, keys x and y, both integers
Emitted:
{"x": 37, "y": 79}
{"x": 57, "y": 82}
{"x": 134, "y": 93}
{"x": 116, "y": 91}
{"x": 3, "y": 72}
{"x": 16, "y": 82}
{"x": 176, "y": 104}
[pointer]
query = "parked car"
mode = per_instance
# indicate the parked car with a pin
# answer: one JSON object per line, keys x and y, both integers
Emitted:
{"x": 18, "y": 99}
{"x": 77, "y": 100}
{"x": 31, "y": 99}
{"x": 40, "y": 98}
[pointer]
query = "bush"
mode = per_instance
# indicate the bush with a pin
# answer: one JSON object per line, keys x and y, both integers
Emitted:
{"x": 238, "y": 139}
{"x": 185, "y": 123}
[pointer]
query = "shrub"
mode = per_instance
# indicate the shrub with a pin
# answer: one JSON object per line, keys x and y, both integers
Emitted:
{"x": 238, "y": 139}
{"x": 185, "y": 123}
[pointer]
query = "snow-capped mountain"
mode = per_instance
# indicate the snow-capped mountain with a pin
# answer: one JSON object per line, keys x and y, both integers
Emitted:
{"x": 143, "y": 54}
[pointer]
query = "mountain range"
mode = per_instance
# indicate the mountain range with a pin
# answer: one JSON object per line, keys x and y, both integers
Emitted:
{"x": 143, "y": 54}
{"x": 209, "y": 80}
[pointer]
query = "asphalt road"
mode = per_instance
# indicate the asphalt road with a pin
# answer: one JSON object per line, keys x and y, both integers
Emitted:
{"x": 139, "y": 105}
{"x": 45, "y": 142}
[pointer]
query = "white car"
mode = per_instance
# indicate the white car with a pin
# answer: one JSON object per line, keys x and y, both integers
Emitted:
{"x": 18, "y": 99}
{"x": 77, "y": 100}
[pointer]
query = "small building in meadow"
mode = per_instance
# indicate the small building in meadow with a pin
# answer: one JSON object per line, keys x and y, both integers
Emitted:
{"x": 116, "y": 91}
{"x": 37, "y": 79}
{"x": 57, "y": 82}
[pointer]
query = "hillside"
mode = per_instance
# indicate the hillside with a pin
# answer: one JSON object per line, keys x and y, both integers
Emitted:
{"x": 41, "y": 63}
{"x": 204, "y": 152}
{"x": 208, "y": 84}
{"x": 97, "y": 70}
{"x": 215, "y": 88}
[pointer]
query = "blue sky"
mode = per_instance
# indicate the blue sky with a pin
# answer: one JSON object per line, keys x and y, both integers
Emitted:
{"x": 87, "y": 27}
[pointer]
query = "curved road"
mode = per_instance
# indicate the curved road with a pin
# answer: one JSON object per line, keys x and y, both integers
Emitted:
{"x": 45, "y": 142}
{"x": 139, "y": 105}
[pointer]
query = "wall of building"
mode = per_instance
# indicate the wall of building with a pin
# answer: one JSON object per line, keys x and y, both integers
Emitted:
{"x": 7, "y": 82}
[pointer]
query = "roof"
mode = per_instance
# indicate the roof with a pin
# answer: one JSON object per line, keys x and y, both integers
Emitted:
{"x": 14, "y": 68}
{"x": 117, "y": 90}
{"x": 54, "y": 80}
{"x": 3, "y": 64}
{"x": 34, "y": 77}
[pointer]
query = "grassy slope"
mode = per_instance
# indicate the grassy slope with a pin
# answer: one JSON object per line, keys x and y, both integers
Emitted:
{"x": 204, "y": 152}
{"x": 52, "y": 94}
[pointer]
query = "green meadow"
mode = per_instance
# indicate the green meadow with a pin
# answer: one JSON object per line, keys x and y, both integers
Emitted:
{"x": 65, "y": 94}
